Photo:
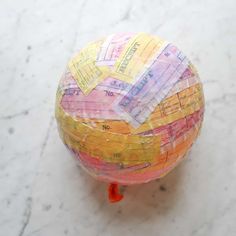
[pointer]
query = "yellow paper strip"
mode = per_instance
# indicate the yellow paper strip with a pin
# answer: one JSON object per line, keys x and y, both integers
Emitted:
{"x": 136, "y": 54}
{"x": 84, "y": 69}
{"x": 115, "y": 148}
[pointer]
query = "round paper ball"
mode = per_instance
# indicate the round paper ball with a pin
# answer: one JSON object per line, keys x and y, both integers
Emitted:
{"x": 129, "y": 106}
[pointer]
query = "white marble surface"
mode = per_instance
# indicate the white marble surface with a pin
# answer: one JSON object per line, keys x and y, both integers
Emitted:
{"x": 42, "y": 191}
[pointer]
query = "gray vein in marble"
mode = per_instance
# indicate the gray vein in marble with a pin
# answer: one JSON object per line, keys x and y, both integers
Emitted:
{"x": 126, "y": 15}
{"x": 15, "y": 115}
{"x": 210, "y": 223}
{"x": 27, "y": 215}
{"x": 45, "y": 141}
{"x": 77, "y": 28}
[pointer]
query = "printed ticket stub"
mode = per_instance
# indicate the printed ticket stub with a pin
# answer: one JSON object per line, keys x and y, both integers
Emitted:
{"x": 128, "y": 154}
{"x": 136, "y": 55}
{"x": 114, "y": 85}
{"x": 112, "y": 48}
{"x": 114, "y": 148}
{"x": 171, "y": 132}
{"x": 169, "y": 158}
{"x": 172, "y": 108}
{"x": 188, "y": 79}
{"x": 177, "y": 106}
{"x": 98, "y": 104}
{"x": 84, "y": 69}
{"x": 152, "y": 86}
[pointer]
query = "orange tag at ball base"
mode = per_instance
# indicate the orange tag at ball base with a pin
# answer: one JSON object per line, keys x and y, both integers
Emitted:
{"x": 129, "y": 107}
